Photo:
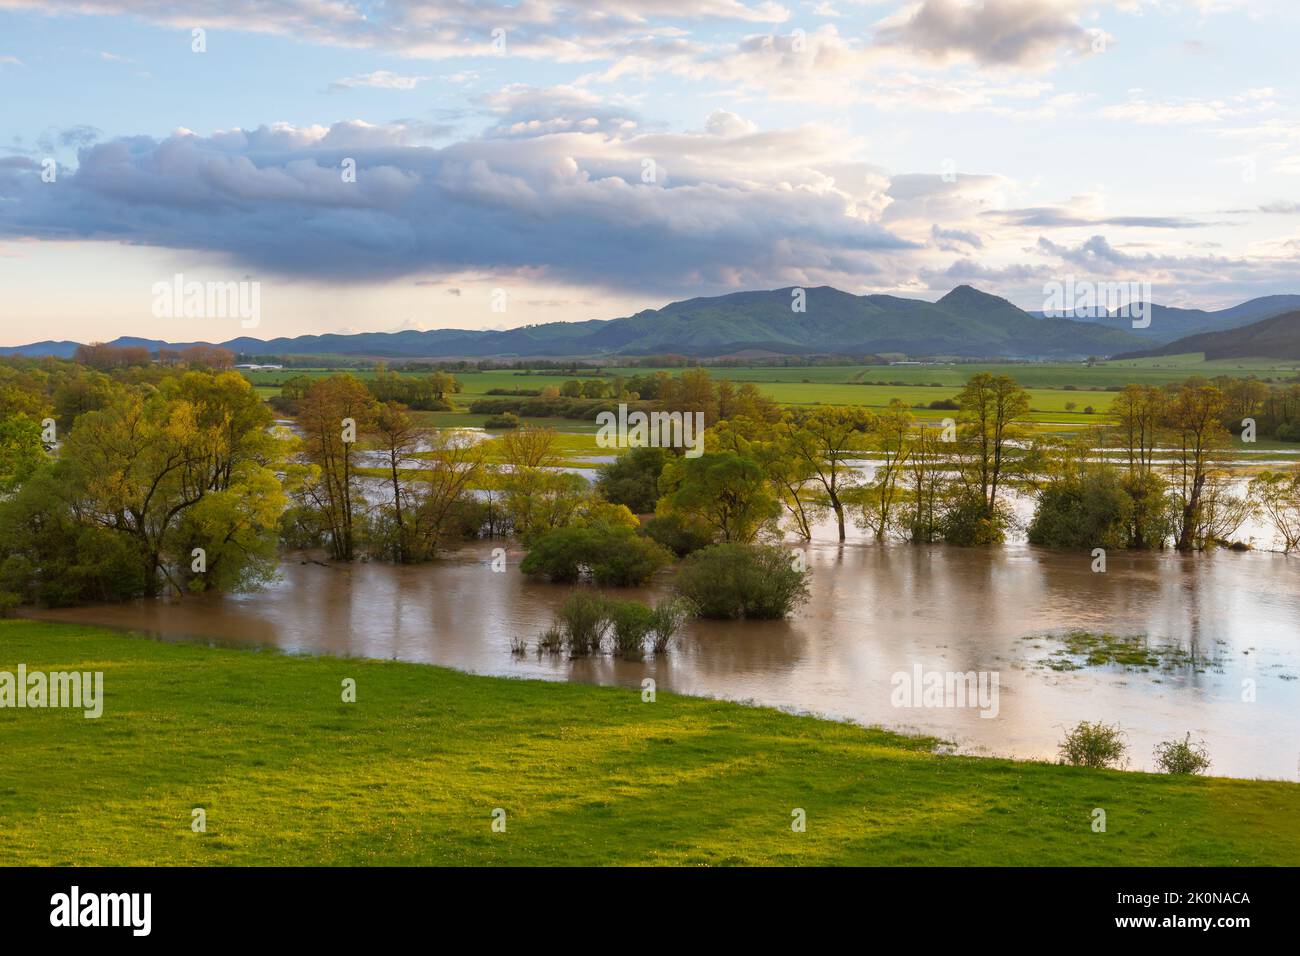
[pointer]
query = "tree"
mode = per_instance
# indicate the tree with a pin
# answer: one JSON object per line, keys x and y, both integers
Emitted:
{"x": 397, "y": 437}
{"x": 927, "y": 485}
{"x": 792, "y": 478}
{"x": 632, "y": 479}
{"x": 441, "y": 490}
{"x": 334, "y": 412}
{"x": 538, "y": 501}
{"x": 1139, "y": 412}
{"x": 136, "y": 467}
{"x": 140, "y": 466}
{"x": 1278, "y": 496}
{"x": 891, "y": 440}
{"x": 992, "y": 412}
{"x": 690, "y": 392}
{"x": 21, "y": 451}
{"x": 1193, "y": 416}
{"x": 527, "y": 448}
{"x": 824, "y": 441}
{"x": 207, "y": 356}
{"x": 726, "y": 491}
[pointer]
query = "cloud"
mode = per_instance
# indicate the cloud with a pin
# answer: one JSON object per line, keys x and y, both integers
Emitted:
{"x": 951, "y": 240}
{"x": 523, "y": 110}
{"x": 1271, "y": 269}
{"x": 737, "y": 207}
{"x": 1049, "y": 217}
{"x": 1004, "y": 33}
{"x": 1140, "y": 108}
{"x": 379, "y": 79}
{"x": 553, "y": 29}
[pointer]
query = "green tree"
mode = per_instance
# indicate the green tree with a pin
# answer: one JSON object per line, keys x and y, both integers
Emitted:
{"x": 334, "y": 415}
{"x": 824, "y": 441}
{"x": 723, "y": 490}
{"x": 632, "y": 479}
{"x": 21, "y": 451}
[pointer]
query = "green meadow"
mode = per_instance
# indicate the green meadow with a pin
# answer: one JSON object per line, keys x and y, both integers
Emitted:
{"x": 1052, "y": 386}
{"x": 413, "y": 770}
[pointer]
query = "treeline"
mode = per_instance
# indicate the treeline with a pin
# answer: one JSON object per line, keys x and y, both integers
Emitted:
{"x": 1154, "y": 476}
{"x": 693, "y": 390}
{"x": 426, "y": 393}
{"x": 143, "y": 479}
{"x": 99, "y": 355}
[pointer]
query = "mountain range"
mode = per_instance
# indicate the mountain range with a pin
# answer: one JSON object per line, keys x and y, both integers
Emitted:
{"x": 965, "y": 323}
{"x": 1276, "y": 337}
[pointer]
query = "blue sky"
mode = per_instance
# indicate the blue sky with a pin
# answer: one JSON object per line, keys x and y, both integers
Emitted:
{"x": 873, "y": 146}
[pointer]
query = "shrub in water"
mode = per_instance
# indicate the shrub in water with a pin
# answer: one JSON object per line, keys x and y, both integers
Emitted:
{"x": 739, "y": 580}
{"x": 1182, "y": 756}
{"x": 678, "y": 535}
{"x": 1093, "y": 745}
{"x": 666, "y": 618}
{"x": 584, "y": 618}
{"x": 550, "y": 640}
{"x": 559, "y": 555}
{"x": 627, "y": 560}
{"x": 630, "y": 622}
{"x": 614, "y": 556}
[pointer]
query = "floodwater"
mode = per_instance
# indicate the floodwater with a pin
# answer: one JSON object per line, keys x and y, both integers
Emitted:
{"x": 876, "y": 611}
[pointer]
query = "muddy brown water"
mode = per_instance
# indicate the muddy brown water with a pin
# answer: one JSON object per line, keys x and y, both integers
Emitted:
{"x": 876, "y": 611}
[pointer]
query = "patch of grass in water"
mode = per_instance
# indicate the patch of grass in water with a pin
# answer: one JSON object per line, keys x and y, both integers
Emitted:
{"x": 1080, "y": 649}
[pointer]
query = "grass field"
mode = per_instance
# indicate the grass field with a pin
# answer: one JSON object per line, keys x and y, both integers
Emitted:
{"x": 412, "y": 771}
{"x": 1051, "y": 386}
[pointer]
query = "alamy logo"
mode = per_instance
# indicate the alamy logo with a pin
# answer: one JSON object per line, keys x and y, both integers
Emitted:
{"x": 921, "y": 688}
{"x": 208, "y": 300}
{"x": 134, "y": 910}
{"x": 1084, "y": 299}
{"x": 653, "y": 430}
{"x": 78, "y": 690}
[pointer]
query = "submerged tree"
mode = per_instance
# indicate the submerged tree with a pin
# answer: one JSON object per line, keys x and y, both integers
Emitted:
{"x": 334, "y": 414}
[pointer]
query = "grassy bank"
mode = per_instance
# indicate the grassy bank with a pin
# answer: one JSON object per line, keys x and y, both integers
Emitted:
{"x": 411, "y": 773}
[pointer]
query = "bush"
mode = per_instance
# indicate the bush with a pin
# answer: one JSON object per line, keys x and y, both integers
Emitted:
{"x": 504, "y": 420}
{"x": 583, "y": 619}
{"x": 559, "y": 555}
{"x": 742, "y": 581}
{"x": 1182, "y": 756}
{"x": 678, "y": 535}
{"x": 8, "y": 601}
{"x": 550, "y": 640}
{"x": 1092, "y": 512}
{"x": 614, "y": 557}
{"x": 666, "y": 620}
{"x": 631, "y": 622}
{"x": 968, "y": 521}
{"x": 1094, "y": 745}
{"x": 1288, "y": 431}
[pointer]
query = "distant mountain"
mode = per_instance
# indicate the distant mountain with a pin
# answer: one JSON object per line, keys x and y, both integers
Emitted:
{"x": 965, "y": 323}
{"x": 1169, "y": 323}
{"x": 1277, "y": 337}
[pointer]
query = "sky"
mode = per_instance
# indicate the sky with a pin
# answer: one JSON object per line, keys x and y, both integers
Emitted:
{"x": 455, "y": 164}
